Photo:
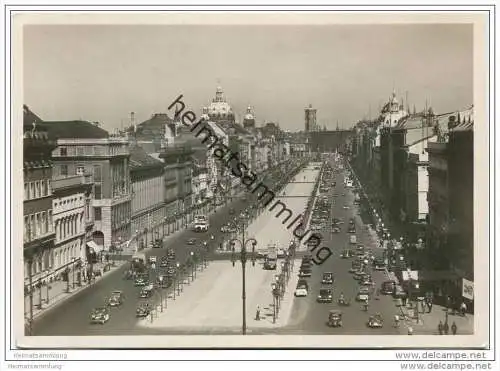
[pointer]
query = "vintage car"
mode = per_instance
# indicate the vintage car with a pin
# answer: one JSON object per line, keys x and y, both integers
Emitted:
{"x": 379, "y": 264}
{"x": 335, "y": 229}
{"x": 301, "y": 290}
{"x": 99, "y": 315}
{"x": 152, "y": 259}
{"x": 325, "y": 296}
{"x": 164, "y": 281}
{"x": 375, "y": 321}
{"x": 191, "y": 241}
{"x": 157, "y": 244}
{"x": 367, "y": 281}
{"x": 363, "y": 294}
{"x": 327, "y": 278}
{"x": 335, "y": 318}
{"x": 141, "y": 280}
{"x": 305, "y": 272}
{"x": 359, "y": 274}
{"x": 143, "y": 310}
{"x": 146, "y": 292}
{"x": 115, "y": 299}
{"x": 164, "y": 262}
{"x": 388, "y": 287}
{"x": 355, "y": 266}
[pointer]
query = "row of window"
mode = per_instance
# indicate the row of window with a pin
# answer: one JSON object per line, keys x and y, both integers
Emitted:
{"x": 120, "y": 214}
{"x": 80, "y": 170}
{"x": 37, "y": 225}
{"x": 69, "y": 226}
{"x": 66, "y": 201}
{"x": 52, "y": 260}
{"x": 89, "y": 150}
{"x": 37, "y": 189}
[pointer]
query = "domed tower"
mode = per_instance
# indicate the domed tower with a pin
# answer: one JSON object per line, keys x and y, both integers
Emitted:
{"x": 219, "y": 109}
{"x": 204, "y": 115}
{"x": 249, "y": 119}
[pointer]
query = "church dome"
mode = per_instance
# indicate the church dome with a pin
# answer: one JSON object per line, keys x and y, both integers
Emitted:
{"x": 219, "y": 107}
{"x": 249, "y": 115}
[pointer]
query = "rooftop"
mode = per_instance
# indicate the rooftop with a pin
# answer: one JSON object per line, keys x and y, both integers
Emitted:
{"x": 75, "y": 129}
{"x": 139, "y": 159}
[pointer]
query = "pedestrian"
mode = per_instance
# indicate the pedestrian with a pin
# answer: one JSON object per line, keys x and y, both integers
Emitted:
{"x": 448, "y": 303}
{"x": 454, "y": 328}
{"x": 446, "y": 328}
{"x": 463, "y": 308}
{"x": 440, "y": 328}
{"x": 396, "y": 321}
{"x": 257, "y": 313}
{"x": 410, "y": 330}
{"x": 429, "y": 306}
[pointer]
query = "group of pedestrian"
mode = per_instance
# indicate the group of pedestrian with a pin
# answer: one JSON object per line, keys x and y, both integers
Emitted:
{"x": 444, "y": 328}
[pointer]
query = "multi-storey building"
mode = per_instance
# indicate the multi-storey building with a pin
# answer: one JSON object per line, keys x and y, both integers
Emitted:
{"x": 72, "y": 220}
{"x": 148, "y": 199}
{"x": 451, "y": 205}
{"x": 37, "y": 205}
{"x": 178, "y": 167}
{"x": 83, "y": 147}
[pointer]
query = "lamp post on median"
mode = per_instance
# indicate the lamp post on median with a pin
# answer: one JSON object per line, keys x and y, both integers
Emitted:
{"x": 161, "y": 293}
{"x": 193, "y": 265}
{"x": 178, "y": 277}
{"x": 243, "y": 258}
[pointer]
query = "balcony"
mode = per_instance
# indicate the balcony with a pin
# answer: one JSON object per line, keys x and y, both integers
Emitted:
{"x": 71, "y": 181}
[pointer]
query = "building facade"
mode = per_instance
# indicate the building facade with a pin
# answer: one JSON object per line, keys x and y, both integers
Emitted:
{"x": 72, "y": 219}
{"x": 82, "y": 147}
{"x": 178, "y": 179}
{"x": 148, "y": 199}
{"x": 38, "y": 233}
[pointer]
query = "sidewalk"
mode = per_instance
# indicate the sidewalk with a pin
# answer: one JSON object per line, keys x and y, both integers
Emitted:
{"x": 427, "y": 323}
{"x": 58, "y": 293}
{"x": 58, "y": 290}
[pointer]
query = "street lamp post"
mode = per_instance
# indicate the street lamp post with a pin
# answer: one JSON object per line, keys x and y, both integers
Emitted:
{"x": 48, "y": 285}
{"x": 193, "y": 266}
{"x": 43, "y": 276}
{"x": 73, "y": 259}
{"x": 243, "y": 258}
{"x": 178, "y": 275}
{"x": 274, "y": 292}
{"x": 161, "y": 293}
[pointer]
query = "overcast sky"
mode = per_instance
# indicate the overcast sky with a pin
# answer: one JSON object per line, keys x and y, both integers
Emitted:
{"x": 102, "y": 73}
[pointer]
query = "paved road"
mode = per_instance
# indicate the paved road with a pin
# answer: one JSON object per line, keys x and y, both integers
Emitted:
{"x": 214, "y": 300}
{"x": 71, "y": 317}
{"x": 308, "y": 316}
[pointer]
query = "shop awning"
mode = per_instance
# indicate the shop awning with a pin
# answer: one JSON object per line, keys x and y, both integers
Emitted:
{"x": 95, "y": 247}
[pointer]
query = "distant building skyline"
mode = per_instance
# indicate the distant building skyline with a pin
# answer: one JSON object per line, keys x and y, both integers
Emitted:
{"x": 347, "y": 72}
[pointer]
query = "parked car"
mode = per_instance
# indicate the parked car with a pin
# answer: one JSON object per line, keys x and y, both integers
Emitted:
{"x": 305, "y": 272}
{"x": 301, "y": 290}
{"x": 388, "y": 287}
{"x": 141, "y": 280}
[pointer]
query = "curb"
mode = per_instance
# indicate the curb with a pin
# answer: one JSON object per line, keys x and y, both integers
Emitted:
{"x": 75, "y": 292}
